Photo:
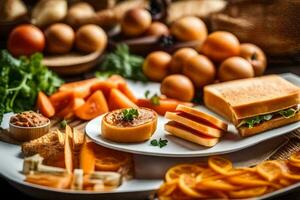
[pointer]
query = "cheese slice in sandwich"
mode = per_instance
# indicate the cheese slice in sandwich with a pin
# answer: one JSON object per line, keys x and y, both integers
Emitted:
{"x": 255, "y": 104}
{"x": 189, "y": 134}
{"x": 194, "y": 123}
{"x": 207, "y": 118}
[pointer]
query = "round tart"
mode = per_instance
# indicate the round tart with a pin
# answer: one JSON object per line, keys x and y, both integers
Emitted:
{"x": 129, "y": 125}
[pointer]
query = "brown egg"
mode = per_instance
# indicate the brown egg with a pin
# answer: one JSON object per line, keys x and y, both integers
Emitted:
{"x": 90, "y": 38}
{"x": 235, "y": 68}
{"x": 189, "y": 28}
{"x": 255, "y": 56}
{"x": 200, "y": 70}
{"x": 157, "y": 29}
{"x": 156, "y": 65}
{"x": 59, "y": 38}
{"x": 220, "y": 45}
{"x": 179, "y": 58}
{"x": 135, "y": 22}
{"x": 178, "y": 86}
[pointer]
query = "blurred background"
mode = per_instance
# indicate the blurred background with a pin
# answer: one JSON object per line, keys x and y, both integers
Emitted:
{"x": 273, "y": 25}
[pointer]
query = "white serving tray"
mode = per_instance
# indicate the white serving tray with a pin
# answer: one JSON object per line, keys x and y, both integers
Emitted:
{"x": 177, "y": 147}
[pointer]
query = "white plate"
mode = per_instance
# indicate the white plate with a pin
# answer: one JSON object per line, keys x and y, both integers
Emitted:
{"x": 181, "y": 148}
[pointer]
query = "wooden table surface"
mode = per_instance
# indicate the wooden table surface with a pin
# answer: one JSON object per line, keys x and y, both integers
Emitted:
{"x": 276, "y": 69}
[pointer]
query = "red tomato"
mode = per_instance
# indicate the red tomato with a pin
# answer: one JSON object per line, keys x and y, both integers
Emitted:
{"x": 26, "y": 40}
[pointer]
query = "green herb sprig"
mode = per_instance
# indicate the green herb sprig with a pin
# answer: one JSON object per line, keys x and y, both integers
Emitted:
{"x": 160, "y": 143}
{"x": 130, "y": 114}
{"x": 154, "y": 99}
{"x": 21, "y": 80}
{"x": 123, "y": 63}
{"x": 63, "y": 124}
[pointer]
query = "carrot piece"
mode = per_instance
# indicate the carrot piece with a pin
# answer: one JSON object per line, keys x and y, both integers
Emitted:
{"x": 68, "y": 150}
{"x": 87, "y": 158}
{"x": 45, "y": 106}
{"x": 164, "y": 106}
{"x": 105, "y": 87}
{"x": 68, "y": 111}
{"x": 117, "y": 79}
{"x": 81, "y": 89}
{"x": 118, "y": 100}
{"x": 123, "y": 87}
{"x": 94, "y": 106}
{"x": 60, "y": 100}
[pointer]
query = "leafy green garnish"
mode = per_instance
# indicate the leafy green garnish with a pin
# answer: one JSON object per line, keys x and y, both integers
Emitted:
{"x": 63, "y": 124}
{"x": 123, "y": 63}
{"x": 154, "y": 142}
{"x": 251, "y": 122}
{"x": 130, "y": 114}
{"x": 288, "y": 113}
{"x": 147, "y": 94}
{"x": 161, "y": 143}
{"x": 21, "y": 80}
{"x": 154, "y": 99}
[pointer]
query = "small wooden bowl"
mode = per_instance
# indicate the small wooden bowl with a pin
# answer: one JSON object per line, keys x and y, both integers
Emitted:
{"x": 28, "y": 133}
{"x": 72, "y": 63}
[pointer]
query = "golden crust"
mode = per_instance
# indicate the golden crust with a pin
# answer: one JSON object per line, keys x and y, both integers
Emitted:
{"x": 251, "y": 97}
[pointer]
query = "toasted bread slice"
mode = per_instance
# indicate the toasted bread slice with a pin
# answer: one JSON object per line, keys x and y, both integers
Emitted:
{"x": 251, "y": 97}
{"x": 194, "y": 123}
{"x": 189, "y": 134}
{"x": 47, "y": 146}
{"x": 203, "y": 116}
{"x": 267, "y": 125}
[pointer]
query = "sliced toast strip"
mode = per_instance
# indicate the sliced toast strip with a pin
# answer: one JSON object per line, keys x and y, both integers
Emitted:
{"x": 194, "y": 124}
{"x": 191, "y": 135}
{"x": 203, "y": 116}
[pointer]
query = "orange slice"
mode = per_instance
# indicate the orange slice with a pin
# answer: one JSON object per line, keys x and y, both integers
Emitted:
{"x": 208, "y": 174}
{"x": 295, "y": 157}
{"x": 247, "y": 193}
{"x": 174, "y": 172}
{"x": 294, "y": 164}
{"x": 218, "y": 184}
{"x": 248, "y": 179}
{"x": 219, "y": 164}
{"x": 269, "y": 170}
{"x": 107, "y": 164}
{"x": 187, "y": 184}
{"x": 167, "y": 188}
{"x": 285, "y": 182}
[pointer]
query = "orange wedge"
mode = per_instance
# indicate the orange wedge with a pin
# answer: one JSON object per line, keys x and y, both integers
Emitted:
{"x": 219, "y": 164}
{"x": 174, "y": 172}
{"x": 187, "y": 184}
{"x": 247, "y": 193}
{"x": 269, "y": 170}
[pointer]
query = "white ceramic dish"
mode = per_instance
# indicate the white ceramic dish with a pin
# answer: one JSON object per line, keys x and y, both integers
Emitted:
{"x": 180, "y": 148}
